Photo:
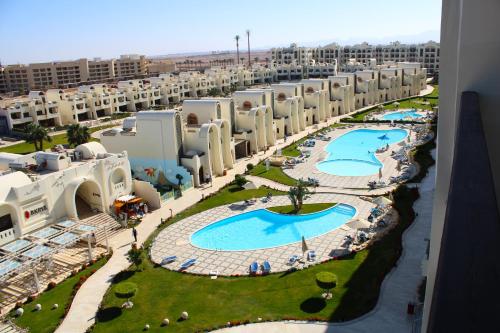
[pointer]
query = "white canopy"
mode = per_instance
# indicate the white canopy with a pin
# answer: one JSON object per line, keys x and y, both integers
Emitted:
{"x": 358, "y": 224}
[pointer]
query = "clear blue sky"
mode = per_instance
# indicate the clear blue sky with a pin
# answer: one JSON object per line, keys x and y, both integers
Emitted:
{"x": 36, "y": 30}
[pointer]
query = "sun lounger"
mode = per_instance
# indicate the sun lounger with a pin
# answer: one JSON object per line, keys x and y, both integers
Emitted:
{"x": 266, "y": 267}
{"x": 168, "y": 260}
{"x": 311, "y": 255}
{"x": 254, "y": 267}
{"x": 187, "y": 263}
{"x": 293, "y": 259}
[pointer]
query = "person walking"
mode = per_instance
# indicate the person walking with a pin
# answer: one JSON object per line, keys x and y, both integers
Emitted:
{"x": 134, "y": 233}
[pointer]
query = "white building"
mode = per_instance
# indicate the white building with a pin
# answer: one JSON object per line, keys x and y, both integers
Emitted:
{"x": 39, "y": 189}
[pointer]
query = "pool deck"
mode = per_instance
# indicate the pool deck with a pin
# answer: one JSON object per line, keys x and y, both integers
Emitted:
{"x": 175, "y": 239}
{"x": 380, "y": 116}
{"x": 318, "y": 154}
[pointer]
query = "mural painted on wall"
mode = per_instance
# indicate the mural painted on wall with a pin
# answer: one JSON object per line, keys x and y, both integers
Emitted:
{"x": 160, "y": 172}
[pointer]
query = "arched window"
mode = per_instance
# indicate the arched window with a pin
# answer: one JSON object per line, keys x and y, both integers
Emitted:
{"x": 247, "y": 105}
{"x": 336, "y": 85}
{"x": 281, "y": 97}
{"x": 309, "y": 90}
{"x": 192, "y": 119}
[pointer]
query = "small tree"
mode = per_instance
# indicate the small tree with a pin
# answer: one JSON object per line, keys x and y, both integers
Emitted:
{"x": 297, "y": 195}
{"x": 326, "y": 281}
{"x": 136, "y": 257}
{"x": 249, "y": 167}
{"x": 36, "y": 134}
{"x": 214, "y": 92}
{"x": 179, "y": 178}
{"x": 240, "y": 180}
{"x": 77, "y": 135}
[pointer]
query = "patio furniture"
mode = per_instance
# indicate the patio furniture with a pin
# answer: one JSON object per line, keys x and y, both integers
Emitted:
{"x": 168, "y": 260}
{"x": 188, "y": 263}
{"x": 254, "y": 267}
{"x": 266, "y": 267}
{"x": 311, "y": 255}
{"x": 293, "y": 259}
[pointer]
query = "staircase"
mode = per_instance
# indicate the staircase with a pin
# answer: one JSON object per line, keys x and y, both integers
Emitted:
{"x": 8, "y": 326}
{"x": 98, "y": 220}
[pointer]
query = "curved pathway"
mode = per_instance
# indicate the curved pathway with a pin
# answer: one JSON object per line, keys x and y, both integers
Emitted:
{"x": 398, "y": 288}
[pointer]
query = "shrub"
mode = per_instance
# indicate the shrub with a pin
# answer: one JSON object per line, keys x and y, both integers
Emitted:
{"x": 240, "y": 180}
{"x": 326, "y": 280}
{"x": 125, "y": 289}
{"x": 250, "y": 166}
{"x": 51, "y": 285}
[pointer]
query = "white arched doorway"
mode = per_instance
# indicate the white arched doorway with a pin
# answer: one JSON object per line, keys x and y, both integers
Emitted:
{"x": 87, "y": 199}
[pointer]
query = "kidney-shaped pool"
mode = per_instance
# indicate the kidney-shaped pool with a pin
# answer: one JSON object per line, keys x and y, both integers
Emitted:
{"x": 262, "y": 228}
{"x": 353, "y": 154}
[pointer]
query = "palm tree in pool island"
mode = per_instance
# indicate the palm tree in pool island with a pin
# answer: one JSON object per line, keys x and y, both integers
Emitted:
{"x": 297, "y": 195}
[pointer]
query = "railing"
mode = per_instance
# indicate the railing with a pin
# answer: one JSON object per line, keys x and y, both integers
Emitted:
{"x": 468, "y": 272}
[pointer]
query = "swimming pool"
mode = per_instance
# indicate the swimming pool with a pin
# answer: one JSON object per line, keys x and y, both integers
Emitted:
{"x": 262, "y": 228}
{"x": 401, "y": 115}
{"x": 353, "y": 154}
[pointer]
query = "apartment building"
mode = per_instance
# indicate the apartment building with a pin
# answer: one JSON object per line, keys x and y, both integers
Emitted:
{"x": 155, "y": 68}
{"x": 130, "y": 66}
{"x": 67, "y": 74}
{"x": 101, "y": 70}
{"x": 427, "y": 54}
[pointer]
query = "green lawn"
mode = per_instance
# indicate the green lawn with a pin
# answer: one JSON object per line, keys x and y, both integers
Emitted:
{"x": 59, "y": 139}
{"x": 274, "y": 173}
{"x": 306, "y": 208}
{"x": 291, "y": 295}
{"x": 47, "y": 320}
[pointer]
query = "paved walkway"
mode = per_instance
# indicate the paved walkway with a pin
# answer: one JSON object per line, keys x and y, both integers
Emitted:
{"x": 176, "y": 239}
{"x": 398, "y": 288}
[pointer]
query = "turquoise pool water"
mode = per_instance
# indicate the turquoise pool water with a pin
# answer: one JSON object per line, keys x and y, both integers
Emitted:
{"x": 353, "y": 154}
{"x": 401, "y": 115}
{"x": 262, "y": 228}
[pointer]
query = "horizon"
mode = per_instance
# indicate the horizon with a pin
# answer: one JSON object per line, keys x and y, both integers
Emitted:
{"x": 83, "y": 39}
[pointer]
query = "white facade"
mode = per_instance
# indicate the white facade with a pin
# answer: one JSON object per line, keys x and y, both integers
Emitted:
{"x": 30, "y": 201}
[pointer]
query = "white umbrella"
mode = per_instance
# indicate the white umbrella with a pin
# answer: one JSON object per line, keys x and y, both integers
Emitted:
{"x": 382, "y": 201}
{"x": 358, "y": 224}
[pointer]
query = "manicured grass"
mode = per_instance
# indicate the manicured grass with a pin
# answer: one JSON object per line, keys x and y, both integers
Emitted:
{"x": 292, "y": 149}
{"x": 291, "y": 295}
{"x": 306, "y": 208}
{"x": 59, "y": 139}
{"x": 47, "y": 320}
{"x": 274, "y": 173}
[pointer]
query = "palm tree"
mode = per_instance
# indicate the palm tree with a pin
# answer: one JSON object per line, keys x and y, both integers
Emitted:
{"x": 237, "y": 39}
{"x": 248, "y": 42}
{"x": 36, "y": 134}
{"x": 256, "y": 59}
{"x": 298, "y": 194}
{"x": 77, "y": 135}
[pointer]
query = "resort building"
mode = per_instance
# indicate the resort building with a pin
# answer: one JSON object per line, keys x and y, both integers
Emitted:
{"x": 342, "y": 98}
{"x": 41, "y": 188}
{"x": 159, "y": 164}
{"x": 289, "y": 107}
{"x": 130, "y": 66}
{"x": 316, "y": 99}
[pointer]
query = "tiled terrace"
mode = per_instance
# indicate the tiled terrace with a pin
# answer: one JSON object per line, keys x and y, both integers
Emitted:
{"x": 175, "y": 239}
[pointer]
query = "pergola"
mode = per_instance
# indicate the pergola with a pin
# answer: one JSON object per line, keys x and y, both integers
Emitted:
{"x": 24, "y": 254}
